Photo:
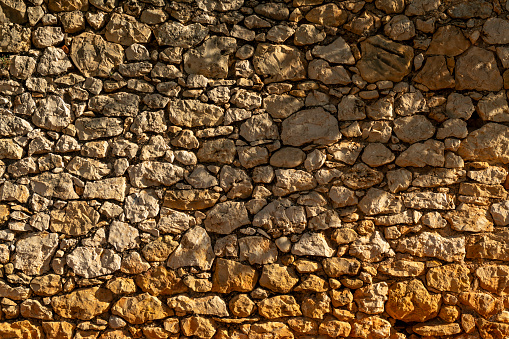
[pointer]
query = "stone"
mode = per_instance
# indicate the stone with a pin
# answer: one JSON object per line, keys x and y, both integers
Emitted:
{"x": 371, "y": 248}
{"x": 141, "y": 206}
{"x": 15, "y": 293}
{"x": 322, "y": 71}
{"x": 376, "y": 154}
{"x": 451, "y": 278}
{"x": 46, "y": 285}
{"x": 500, "y": 213}
{"x": 342, "y": 196}
{"x": 410, "y": 301}
{"x": 288, "y": 157}
{"x": 488, "y": 246}
{"x": 437, "y": 330}
{"x": 428, "y": 244}
{"x": 402, "y": 268}
{"x": 93, "y": 56}
{"x": 178, "y": 35}
{"x": 232, "y": 276}
{"x": 493, "y": 107}
{"x": 198, "y": 326}
{"x": 73, "y": 22}
{"x": 413, "y": 128}
{"x": 314, "y": 244}
{"x": 307, "y": 34}
{"x": 290, "y": 180}
{"x": 327, "y": 15}
{"x": 82, "y": 304}
{"x": 257, "y": 250}
{"x": 125, "y": 30}
{"x": 95, "y": 128}
{"x": 217, "y": 150}
{"x": 195, "y": 249}
{"x": 493, "y": 277}
{"x": 22, "y": 67}
{"x": 117, "y": 104}
{"x": 122, "y": 236}
{"x": 410, "y": 103}
{"x": 310, "y": 126}
{"x": 377, "y": 201}
{"x": 361, "y": 176}
{"x": 140, "y": 309}
{"x": 335, "y": 328}
{"x": 87, "y": 168}
{"x": 279, "y": 63}
{"x": 435, "y": 75}
{"x": 455, "y": 128}
{"x": 383, "y": 59}
{"x": 190, "y": 199}
{"x": 495, "y": 30}
{"x": 14, "y": 38}
{"x": 111, "y": 188}
{"x": 160, "y": 281}
{"x": 259, "y": 127}
{"x": 430, "y": 152}
{"x": 212, "y": 58}
{"x": 371, "y": 299}
{"x": 448, "y": 40}
{"x": 47, "y": 36}
{"x": 90, "y": 262}
{"x": 34, "y": 309}
{"x": 483, "y": 303}
{"x": 487, "y": 143}
{"x": 34, "y": 252}
{"x": 279, "y": 306}
{"x": 281, "y": 216}
{"x": 220, "y": 6}
{"x": 10, "y": 150}
{"x": 469, "y": 219}
{"x": 276, "y": 11}
{"x": 76, "y": 219}
{"x": 346, "y": 151}
{"x": 400, "y": 27}
{"x": 476, "y": 70}
{"x": 241, "y": 306}
{"x": 58, "y": 329}
{"x": 428, "y": 200}
{"x": 281, "y": 106}
{"x": 153, "y": 173}
{"x": 211, "y": 305}
{"x": 226, "y": 217}
{"x": 459, "y": 106}
{"x": 335, "y": 267}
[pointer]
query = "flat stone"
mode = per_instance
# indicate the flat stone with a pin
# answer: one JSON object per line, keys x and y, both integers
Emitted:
{"x": 469, "y": 219}
{"x": 66, "y": 5}
{"x": 90, "y": 262}
{"x": 195, "y": 249}
{"x": 140, "y": 309}
{"x": 153, "y": 173}
{"x": 193, "y": 113}
{"x": 402, "y": 268}
{"x": 226, "y": 217}
{"x": 278, "y": 278}
{"x": 495, "y": 31}
{"x": 287, "y": 157}
{"x": 327, "y": 15}
{"x": 290, "y": 180}
{"x": 281, "y": 216}
{"x": 377, "y": 201}
{"x": 492, "y": 246}
{"x": 500, "y": 213}
{"x": 430, "y": 152}
{"x": 410, "y": 301}
{"x": 413, "y": 128}
{"x": 314, "y": 244}
{"x": 160, "y": 281}
{"x": 93, "y": 56}
{"x": 321, "y": 70}
{"x": 125, "y": 30}
{"x": 95, "y": 128}
{"x": 76, "y": 219}
{"x": 34, "y": 253}
{"x": 493, "y": 107}
{"x": 281, "y": 106}
{"x": 14, "y": 38}
{"x": 335, "y": 267}
{"x": 383, "y": 59}
{"x": 220, "y": 6}
{"x": 449, "y": 278}
{"x": 435, "y": 75}
{"x": 121, "y": 104}
{"x": 87, "y": 168}
{"x": 376, "y": 154}
{"x": 178, "y": 35}
{"x": 492, "y": 278}
{"x": 428, "y": 244}
{"x": 448, "y": 40}
{"x": 10, "y": 150}
{"x": 437, "y": 330}
{"x": 232, "y": 276}
{"x": 477, "y": 69}
{"x": 212, "y": 58}
{"x": 217, "y": 150}
{"x": 82, "y": 304}
{"x": 110, "y": 188}
{"x": 190, "y": 199}
{"x": 210, "y": 305}
{"x": 279, "y": 63}
{"x": 310, "y": 126}
{"x": 279, "y": 306}
{"x": 122, "y": 236}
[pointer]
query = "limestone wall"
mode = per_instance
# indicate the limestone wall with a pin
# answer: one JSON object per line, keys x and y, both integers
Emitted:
{"x": 254, "y": 170}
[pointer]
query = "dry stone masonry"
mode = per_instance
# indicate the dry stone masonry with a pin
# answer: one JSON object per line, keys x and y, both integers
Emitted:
{"x": 254, "y": 169}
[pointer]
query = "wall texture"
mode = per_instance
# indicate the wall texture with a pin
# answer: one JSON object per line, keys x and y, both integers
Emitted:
{"x": 254, "y": 170}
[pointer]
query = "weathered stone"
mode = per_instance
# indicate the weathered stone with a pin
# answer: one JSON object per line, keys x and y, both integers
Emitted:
{"x": 469, "y": 219}
{"x": 489, "y": 246}
{"x": 259, "y": 127}
{"x": 58, "y": 329}
{"x": 83, "y": 304}
{"x": 371, "y": 248}
{"x": 435, "y": 75}
{"x": 15, "y": 293}
{"x": 281, "y": 216}
{"x": 448, "y": 40}
{"x": 198, "y": 326}
{"x": 413, "y": 128}
{"x": 257, "y": 250}
{"x": 402, "y": 268}
{"x": 195, "y": 249}
{"x": 361, "y": 176}
{"x": 493, "y": 278}
{"x": 87, "y": 168}
{"x": 335, "y": 267}
{"x": 322, "y": 71}
{"x": 371, "y": 299}
{"x": 190, "y": 199}
{"x": 34, "y": 309}
{"x": 90, "y": 262}
{"x": 495, "y": 31}
{"x": 153, "y": 173}
{"x": 94, "y": 56}
{"x": 493, "y": 107}
{"x": 232, "y": 276}
{"x": 437, "y": 330}
{"x": 279, "y": 63}
{"x": 76, "y": 219}
{"x": 211, "y": 305}
{"x": 342, "y": 196}
{"x": 10, "y": 150}
{"x": 279, "y": 306}
{"x": 34, "y": 252}
{"x": 336, "y": 52}
{"x": 430, "y": 152}
{"x": 111, "y": 188}
{"x": 452, "y": 278}
{"x": 310, "y": 126}
{"x": 160, "y": 281}
{"x": 140, "y": 309}
{"x": 212, "y": 58}
{"x": 178, "y": 35}
{"x": 47, "y": 36}
{"x": 192, "y": 113}
{"x": 483, "y": 303}
{"x": 383, "y": 59}
{"x": 428, "y": 244}
{"x": 220, "y": 6}
{"x": 410, "y": 301}
{"x": 376, "y": 154}
{"x": 400, "y": 27}
{"x": 95, "y": 128}
{"x": 281, "y": 106}
{"x": 226, "y": 217}
{"x": 14, "y": 38}
{"x": 118, "y": 104}
{"x": 46, "y": 285}
{"x": 477, "y": 69}
{"x": 488, "y": 143}
{"x": 125, "y": 30}
{"x": 377, "y": 201}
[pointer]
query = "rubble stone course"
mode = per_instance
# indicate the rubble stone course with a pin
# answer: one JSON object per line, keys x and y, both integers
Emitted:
{"x": 254, "y": 169}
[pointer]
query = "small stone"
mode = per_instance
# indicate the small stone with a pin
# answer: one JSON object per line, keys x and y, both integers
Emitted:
{"x": 279, "y": 306}
{"x": 241, "y": 306}
{"x": 376, "y": 154}
{"x": 195, "y": 249}
{"x": 400, "y": 28}
{"x": 335, "y": 267}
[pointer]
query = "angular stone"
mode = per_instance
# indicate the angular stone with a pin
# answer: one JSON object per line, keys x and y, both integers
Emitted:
{"x": 111, "y": 188}
{"x": 314, "y": 244}
{"x": 371, "y": 248}
{"x": 337, "y": 52}
{"x": 370, "y": 299}
{"x": 212, "y": 58}
{"x": 34, "y": 253}
{"x": 190, "y": 199}
{"x": 496, "y": 31}
{"x": 46, "y": 285}
{"x": 259, "y": 127}
{"x": 321, "y": 70}
{"x": 91, "y": 262}
{"x": 493, "y": 278}
{"x": 290, "y": 180}
{"x": 95, "y": 128}
{"x": 351, "y": 107}
{"x": 93, "y": 56}
{"x": 376, "y": 154}
{"x": 493, "y": 246}
{"x": 142, "y": 205}
{"x": 153, "y": 173}
{"x": 53, "y": 61}
{"x": 346, "y": 151}
{"x": 383, "y": 59}
{"x": 448, "y": 40}
{"x": 59, "y": 329}
{"x": 430, "y": 152}
{"x": 500, "y": 213}
{"x": 281, "y": 216}
{"x": 428, "y": 200}
{"x": 402, "y": 268}
{"x": 140, "y": 309}
{"x": 87, "y": 168}
{"x": 193, "y": 113}
{"x": 122, "y": 236}
{"x": 10, "y": 150}
{"x": 281, "y": 106}
{"x": 278, "y": 278}
{"x": 400, "y": 27}
{"x": 449, "y": 278}
{"x": 488, "y": 143}
{"x": 342, "y": 197}
{"x": 226, "y": 217}
{"x": 82, "y": 304}
{"x": 469, "y": 219}
{"x": 11, "y": 126}
{"x": 477, "y": 69}
{"x": 218, "y": 5}
{"x": 335, "y": 267}
{"x": 217, "y": 150}
{"x": 66, "y": 5}
{"x": 121, "y": 104}
{"x": 177, "y": 35}
{"x": 125, "y": 30}
{"x": 195, "y": 249}
{"x": 160, "y": 281}
{"x": 410, "y": 301}
{"x": 76, "y": 219}
{"x": 413, "y": 128}
{"x": 279, "y": 63}
{"x": 377, "y": 201}
{"x": 14, "y": 38}
{"x": 232, "y": 276}
{"x": 279, "y": 306}
{"x": 483, "y": 303}
{"x": 47, "y": 36}
{"x": 493, "y": 107}
{"x": 310, "y": 126}
{"x": 257, "y": 250}
{"x": 199, "y": 327}
{"x": 34, "y": 309}
{"x": 435, "y": 75}
{"x": 428, "y": 244}
{"x": 210, "y": 305}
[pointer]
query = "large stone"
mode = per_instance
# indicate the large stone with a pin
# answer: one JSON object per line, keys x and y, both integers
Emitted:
{"x": 217, "y": 150}
{"x": 230, "y": 276}
{"x": 449, "y": 278}
{"x": 94, "y": 56}
{"x": 125, "y": 30}
{"x": 430, "y": 152}
{"x": 57, "y": 185}
{"x": 278, "y": 278}
{"x": 496, "y": 31}
{"x": 67, "y": 5}
{"x": 82, "y": 304}
{"x": 377, "y": 201}
{"x": 371, "y": 248}
{"x": 87, "y": 168}
{"x": 10, "y": 150}
{"x": 337, "y": 52}
{"x": 279, "y": 63}
{"x": 160, "y": 281}
{"x": 494, "y": 246}
{"x": 226, "y": 217}
{"x": 281, "y": 216}
{"x": 279, "y": 306}
{"x": 95, "y": 128}
{"x": 92, "y": 262}
{"x": 210, "y": 59}
{"x": 257, "y": 250}
{"x": 153, "y": 173}
{"x": 469, "y": 219}
{"x": 210, "y": 305}
{"x": 314, "y": 244}
{"x": 259, "y": 127}
{"x": 489, "y": 143}
{"x": 47, "y": 36}
{"x": 410, "y": 301}
{"x": 34, "y": 253}
{"x": 310, "y": 126}
{"x": 435, "y": 75}
{"x": 477, "y": 70}
{"x": 140, "y": 309}
{"x": 383, "y": 59}
{"x": 11, "y": 125}
{"x": 371, "y": 299}
{"x": 428, "y": 200}
{"x": 122, "y": 236}
{"x": 321, "y": 70}
{"x": 76, "y": 219}
{"x": 428, "y": 244}
{"x": 53, "y": 61}
{"x": 110, "y": 188}
{"x": 121, "y": 104}
{"x": 335, "y": 267}
{"x": 218, "y": 5}
{"x": 483, "y": 303}
{"x": 195, "y": 249}
{"x": 290, "y": 181}
{"x": 14, "y": 38}
{"x": 13, "y": 11}
{"x": 193, "y": 113}
{"x": 448, "y": 40}
{"x": 413, "y": 128}
{"x": 178, "y": 35}
{"x": 493, "y": 278}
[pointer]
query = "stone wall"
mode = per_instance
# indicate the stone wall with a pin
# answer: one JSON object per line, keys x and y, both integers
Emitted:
{"x": 254, "y": 170}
